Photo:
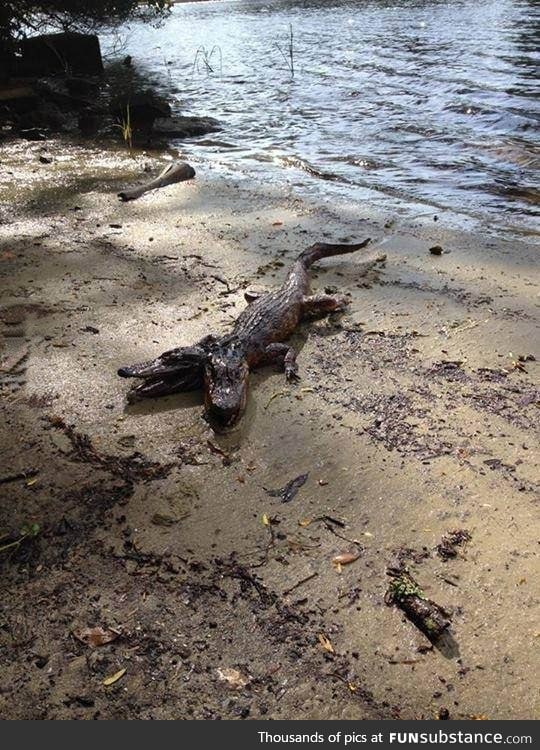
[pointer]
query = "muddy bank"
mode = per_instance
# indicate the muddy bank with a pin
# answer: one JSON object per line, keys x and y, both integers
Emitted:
{"x": 415, "y": 418}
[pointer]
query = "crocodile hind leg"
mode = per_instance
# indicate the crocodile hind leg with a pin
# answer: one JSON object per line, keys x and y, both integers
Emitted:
{"x": 285, "y": 352}
{"x": 324, "y": 303}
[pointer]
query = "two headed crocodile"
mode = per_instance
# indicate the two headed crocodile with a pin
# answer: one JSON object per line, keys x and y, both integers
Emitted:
{"x": 221, "y": 364}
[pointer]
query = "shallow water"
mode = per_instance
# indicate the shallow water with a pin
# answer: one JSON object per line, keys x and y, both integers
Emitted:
{"x": 399, "y": 103}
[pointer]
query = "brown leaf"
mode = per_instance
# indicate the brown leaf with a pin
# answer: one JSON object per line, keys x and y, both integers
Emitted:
{"x": 114, "y": 677}
{"x": 346, "y": 558}
{"x": 235, "y": 679}
{"x": 326, "y": 644}
{"x": 95, "y": 636}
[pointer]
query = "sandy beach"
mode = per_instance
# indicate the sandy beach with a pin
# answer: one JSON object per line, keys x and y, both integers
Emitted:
{"x": 416, "y": 416}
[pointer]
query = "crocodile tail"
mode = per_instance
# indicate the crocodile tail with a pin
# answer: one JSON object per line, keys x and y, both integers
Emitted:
{"x": 325, "y": 250}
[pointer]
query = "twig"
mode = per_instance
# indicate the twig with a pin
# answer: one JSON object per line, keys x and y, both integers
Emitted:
{"x": 289, "y": 59}
{"x": 25, "y": 474}
{"x": 300, "y": 583}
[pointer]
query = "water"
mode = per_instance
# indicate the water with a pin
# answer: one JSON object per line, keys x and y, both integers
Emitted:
{"x": 412, "y": 105}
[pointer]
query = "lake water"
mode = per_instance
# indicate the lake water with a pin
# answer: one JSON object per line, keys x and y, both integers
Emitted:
{"x": 411, "y": 105}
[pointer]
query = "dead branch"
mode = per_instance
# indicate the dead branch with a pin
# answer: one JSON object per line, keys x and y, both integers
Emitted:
{"x": 172, "y": 173}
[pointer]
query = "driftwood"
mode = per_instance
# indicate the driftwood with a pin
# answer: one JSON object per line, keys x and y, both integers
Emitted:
{"x": 405, "y": 593}
{"x": 172, "y": 173}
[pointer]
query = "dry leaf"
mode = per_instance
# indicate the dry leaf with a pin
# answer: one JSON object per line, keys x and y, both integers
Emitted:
{"x": 265, "y": 520}
{"x": 305, "y": 522}
{"x": 233, "y": 677}
{"x": 114, "y": 677}
{"x": 325, "y": 643}
{"x": 95, "y": 636}
{"x": 346, "y": 558}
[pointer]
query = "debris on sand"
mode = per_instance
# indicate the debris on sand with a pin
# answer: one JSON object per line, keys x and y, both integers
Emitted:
{"x": 297, "y": 585}
{"x": 447, "y": 548}
{"x": 132, "y": 468}
{"x": 326, "y": 644}
{"x": 172, "y": 173}
{"x": 406, "y": 594}
{"x": 436, "y": 250}
{"x": 24, "y": 474}
{"x": 27, "y": 532}
{"x": 233, "y": 677}
{"x": 97, "y": 636}
{"x": 114, "y": 677}
{"x": 226, "y": 459}
{"x": 345, "y": 558}
{"x": 288, "y": 492}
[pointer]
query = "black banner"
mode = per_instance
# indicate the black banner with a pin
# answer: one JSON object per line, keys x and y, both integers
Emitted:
{"x": 259, "y": 735}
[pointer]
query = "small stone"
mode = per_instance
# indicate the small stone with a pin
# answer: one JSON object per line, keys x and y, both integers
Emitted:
{"x": 85, "y": 700}
{"x": 436, "y": 250}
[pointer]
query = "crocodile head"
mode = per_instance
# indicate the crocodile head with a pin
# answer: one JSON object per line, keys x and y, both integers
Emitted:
{"x": 226, "y": 375}
{"x": 175, "y": 370}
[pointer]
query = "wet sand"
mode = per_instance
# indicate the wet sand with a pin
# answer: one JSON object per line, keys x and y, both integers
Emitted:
{"x": 414, "y": 417}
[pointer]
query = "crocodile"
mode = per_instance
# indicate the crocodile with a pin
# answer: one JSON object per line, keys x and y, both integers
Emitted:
{"x": 220, "y": 365}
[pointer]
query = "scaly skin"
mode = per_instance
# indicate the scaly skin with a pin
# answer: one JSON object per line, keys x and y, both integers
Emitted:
{"x": 221, "y": 365}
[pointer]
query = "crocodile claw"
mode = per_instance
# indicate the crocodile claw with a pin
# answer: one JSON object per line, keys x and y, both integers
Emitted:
{"x": 291, "y": 373}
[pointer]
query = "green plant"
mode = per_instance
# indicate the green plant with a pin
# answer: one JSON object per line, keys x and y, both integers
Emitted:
{"x": 126, "y": 130}
{"x": 28, "y": 531}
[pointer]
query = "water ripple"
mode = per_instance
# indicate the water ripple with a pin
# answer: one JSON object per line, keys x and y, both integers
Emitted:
{"x": 432, "y": 101}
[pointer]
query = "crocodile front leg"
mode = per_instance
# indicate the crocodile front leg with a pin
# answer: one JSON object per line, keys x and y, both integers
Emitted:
{"x": 285, "y": 352}
{"x": 324, "y": 303}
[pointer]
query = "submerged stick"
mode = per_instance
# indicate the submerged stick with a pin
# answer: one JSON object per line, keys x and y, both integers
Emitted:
{"x": 172, "y": 173}
{"x": 406, "y": 594}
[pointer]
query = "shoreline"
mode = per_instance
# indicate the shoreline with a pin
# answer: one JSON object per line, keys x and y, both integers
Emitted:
{"x": 412, "y": 419}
